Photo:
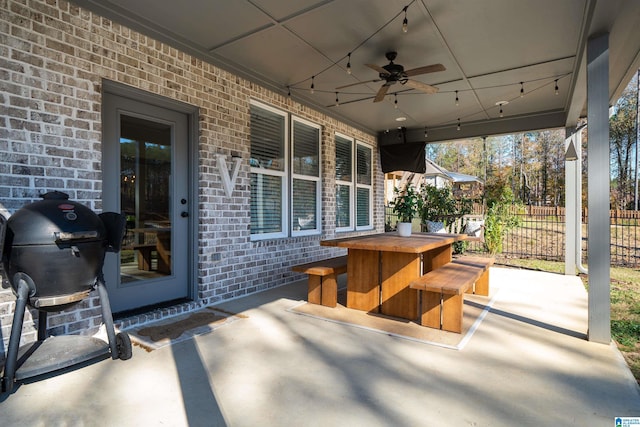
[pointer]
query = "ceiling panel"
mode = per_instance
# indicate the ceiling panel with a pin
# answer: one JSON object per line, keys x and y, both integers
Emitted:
{"x": 487, "y": 47}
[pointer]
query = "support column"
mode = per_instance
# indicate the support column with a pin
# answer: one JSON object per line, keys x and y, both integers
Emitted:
{"x": 570, "y": 208}
{"x": 598, "y": 192}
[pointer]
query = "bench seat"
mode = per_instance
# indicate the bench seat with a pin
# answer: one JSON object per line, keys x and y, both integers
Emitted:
{"x": 442, "y": 293}
{"x": 323, "y": 279}
{"x": 481, "y": 286}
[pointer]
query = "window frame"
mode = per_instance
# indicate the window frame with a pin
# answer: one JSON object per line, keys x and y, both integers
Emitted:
{"x": 368, "y": 187}
{"x": 354, "y": 186}
{"x": 350, "y": 184}
{"x": 284, "y": 175}
{"x": 317, "y": 179}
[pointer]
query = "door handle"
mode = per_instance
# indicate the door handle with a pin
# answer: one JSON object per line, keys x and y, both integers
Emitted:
{"x": 184, "y": 214}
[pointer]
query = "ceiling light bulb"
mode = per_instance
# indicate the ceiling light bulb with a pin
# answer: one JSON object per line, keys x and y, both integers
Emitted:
{"x": 312, "y": 85}
{"x": 405, "y": 22}
{"x": 395, "y": 103}
{"x": 557, "y": 89}
{"x": 349, "y": 64}
{"x": 425, "y": 132}
{"x": 337, "y": 102}
{"x": 501, "y": 113}
{"x": 458, "y": 128}
{"x": 457, "y": 99}
{"x": 521, "y": 89}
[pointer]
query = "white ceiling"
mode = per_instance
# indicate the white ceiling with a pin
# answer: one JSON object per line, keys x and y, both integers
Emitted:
{"x": 487, "y": 46}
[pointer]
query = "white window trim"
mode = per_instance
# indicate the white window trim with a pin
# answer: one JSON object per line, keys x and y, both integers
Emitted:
{"x": 318, "y": 180}
{"x": 367, "y": 186}
{"x": 284, "y": 225}
{"x": 350, "y": 184}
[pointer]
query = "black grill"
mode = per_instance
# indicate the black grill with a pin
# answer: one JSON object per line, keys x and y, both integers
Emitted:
{"x": 52, "y": 254}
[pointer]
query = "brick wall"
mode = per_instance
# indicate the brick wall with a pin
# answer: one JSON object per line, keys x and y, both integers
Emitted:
{"x": 53, "y": 59}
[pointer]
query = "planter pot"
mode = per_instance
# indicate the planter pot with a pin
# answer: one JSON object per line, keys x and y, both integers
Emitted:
{"x": 404, "y": 229}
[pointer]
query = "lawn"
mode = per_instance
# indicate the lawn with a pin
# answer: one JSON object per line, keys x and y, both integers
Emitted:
{"x": 625, "y": 305}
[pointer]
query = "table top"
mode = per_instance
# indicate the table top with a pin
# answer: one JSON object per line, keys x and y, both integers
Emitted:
{"x": 392, "y": 242}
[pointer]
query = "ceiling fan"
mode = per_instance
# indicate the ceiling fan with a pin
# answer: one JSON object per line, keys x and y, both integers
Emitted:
{"x": 395, "y": 73}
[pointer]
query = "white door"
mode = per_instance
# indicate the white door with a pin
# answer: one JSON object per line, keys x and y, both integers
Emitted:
{"x": 145, "y": 176}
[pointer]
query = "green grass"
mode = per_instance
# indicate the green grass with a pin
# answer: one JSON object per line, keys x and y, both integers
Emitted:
{"x": 625, "y": 305}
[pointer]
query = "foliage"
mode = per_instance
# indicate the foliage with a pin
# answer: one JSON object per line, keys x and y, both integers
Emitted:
{"x": 439, "y": 204}
{"x": 407, "y": 203}
{"x": 499, "y": 220}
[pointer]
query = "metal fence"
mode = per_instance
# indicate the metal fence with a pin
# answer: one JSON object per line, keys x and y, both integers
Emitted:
{"x": 541, "y": 235}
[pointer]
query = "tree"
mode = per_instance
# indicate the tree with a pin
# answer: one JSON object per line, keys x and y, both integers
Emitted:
{"x": 622, "y": 137}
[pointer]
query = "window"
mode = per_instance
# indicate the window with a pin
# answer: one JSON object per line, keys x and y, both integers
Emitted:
{"x": 344, "y": 183}
{"x": 268, "y": 172}
{"x": 305, "y": 194}
{"x": 364, "y": 187}
{"x": 283, "y": 189}
{"x": 350, "y": 187}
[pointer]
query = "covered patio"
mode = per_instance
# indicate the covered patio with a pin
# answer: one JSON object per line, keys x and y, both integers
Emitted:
{"x": 527, "y": 364}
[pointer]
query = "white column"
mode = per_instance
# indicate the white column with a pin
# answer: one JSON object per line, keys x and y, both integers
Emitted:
{"x": 599, "y": 253}
{"x": 570, "y": 209}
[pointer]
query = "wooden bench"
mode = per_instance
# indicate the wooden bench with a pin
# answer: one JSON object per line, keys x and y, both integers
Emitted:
{"x": 323, "y": 279}
{"x": 481, "y": 286}
{"x": 443, "y": 292}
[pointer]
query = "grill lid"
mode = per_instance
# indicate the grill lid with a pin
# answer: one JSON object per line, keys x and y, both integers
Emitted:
{"x": 54, "y": 219}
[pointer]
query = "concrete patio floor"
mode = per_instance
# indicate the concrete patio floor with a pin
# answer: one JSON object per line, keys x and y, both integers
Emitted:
{"x": 528, "y": 364}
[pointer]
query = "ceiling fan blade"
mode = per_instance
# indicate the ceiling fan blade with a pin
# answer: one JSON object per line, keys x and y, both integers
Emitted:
{"x": 382, "y": 92}
{"x": 424, "y": 70}
{"x": 359, "y": 83}
{"x": 421, "y": 86}
{"x": 377, "y": 68}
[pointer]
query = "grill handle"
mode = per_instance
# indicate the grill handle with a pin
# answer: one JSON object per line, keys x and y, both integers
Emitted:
{"x": 65, "y": 236}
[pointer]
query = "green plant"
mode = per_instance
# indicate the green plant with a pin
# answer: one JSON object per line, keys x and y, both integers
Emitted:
{"x": 499, "y": 220}
{"x": 407, "y": 203}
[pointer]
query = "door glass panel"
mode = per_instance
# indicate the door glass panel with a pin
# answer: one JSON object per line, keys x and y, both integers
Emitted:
{"x": 145, "y": 176}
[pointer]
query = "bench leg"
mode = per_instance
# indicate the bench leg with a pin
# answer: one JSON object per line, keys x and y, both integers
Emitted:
{"x": 452, "y": 312}
{"x": 482, "y": 284}
{"x": 144, "y": 259}
{"x": 314, "y": 294}
{"x": 430, "y": 309}
{"x": 329, "y": 291}
{"x": 323, "y": 290}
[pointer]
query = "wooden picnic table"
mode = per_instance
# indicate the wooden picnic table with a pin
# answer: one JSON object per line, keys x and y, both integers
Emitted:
{"x": 381, "y": 266}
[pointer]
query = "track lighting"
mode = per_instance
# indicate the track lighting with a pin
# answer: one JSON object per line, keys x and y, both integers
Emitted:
{"x": 349, "y": 64}
{"x": 312, "y": 85}
{"x": 405, "y": 22}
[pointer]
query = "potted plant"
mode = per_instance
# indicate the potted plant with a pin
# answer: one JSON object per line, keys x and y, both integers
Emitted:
{"x": 406, "y": 205}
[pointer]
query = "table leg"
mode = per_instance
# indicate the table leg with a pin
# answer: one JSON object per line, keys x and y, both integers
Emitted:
{"x": 363, "y": 280}
{"x": 436, "y": 258}
{"x": 398, "y": 270}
